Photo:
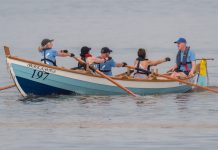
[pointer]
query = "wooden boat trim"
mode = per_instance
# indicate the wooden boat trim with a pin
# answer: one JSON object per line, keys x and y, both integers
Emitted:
{"x": 7, "y": 54}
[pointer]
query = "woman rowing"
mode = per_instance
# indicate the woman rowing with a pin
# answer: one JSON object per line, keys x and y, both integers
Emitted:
{"x": 107, "y": 66}
{"x": 142, "y": 64}
{"x": 49, "y": 53}
{"x": 88, "y": 58}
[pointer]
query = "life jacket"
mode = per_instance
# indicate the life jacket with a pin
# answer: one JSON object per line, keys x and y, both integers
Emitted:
{"x": 99, "y": 66}
{"x": 140, "y": 70}
{"x": 82, "y": 66}
{"x": 46, "y": 59}
{"x": 184, "y": 61}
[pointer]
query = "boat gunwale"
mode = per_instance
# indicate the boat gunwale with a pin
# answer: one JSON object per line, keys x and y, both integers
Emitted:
{"x": 83, "y": 73}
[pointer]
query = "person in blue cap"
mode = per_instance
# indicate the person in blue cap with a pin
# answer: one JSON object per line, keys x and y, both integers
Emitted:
{"x": 185, "y": 61}
{"x": 106, "y": 67}
{"x": 49, "y": 53}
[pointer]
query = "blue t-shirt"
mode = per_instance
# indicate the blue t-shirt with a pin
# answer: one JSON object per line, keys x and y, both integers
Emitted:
{"x": 50, "y": 54}
{"x": 190, "y": 58}
{"x": 107, "y": 67}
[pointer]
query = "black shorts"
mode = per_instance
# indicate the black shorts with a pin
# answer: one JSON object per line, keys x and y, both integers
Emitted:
{"x": 186, "y": 72}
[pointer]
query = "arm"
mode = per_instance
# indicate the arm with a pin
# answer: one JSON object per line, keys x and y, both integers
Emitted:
{"x": 98, "y": 60}
{"x": 91, "y": 60}
{"x": 173, "y": 68}
{"x": 157, "y": 62}
{"x": 135, "y": 63}
{"x": 192, "y": 58}
{"x": 61, "y": 53}
{"x": 192, "y": 72}
{"x": 64, "y": 53}
{"x": 123, "y": 64}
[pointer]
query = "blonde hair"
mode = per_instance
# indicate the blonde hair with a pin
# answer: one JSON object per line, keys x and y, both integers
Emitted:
{"x": 41, "y": 48}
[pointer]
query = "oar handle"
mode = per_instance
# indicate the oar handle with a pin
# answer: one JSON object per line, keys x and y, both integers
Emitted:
{"x": 188, "y": 83}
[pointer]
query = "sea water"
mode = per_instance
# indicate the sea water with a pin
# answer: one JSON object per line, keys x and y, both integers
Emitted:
{"x": 171, "y": 121}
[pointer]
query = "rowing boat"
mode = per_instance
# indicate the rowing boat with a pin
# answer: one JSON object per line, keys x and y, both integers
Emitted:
{"x": 36, "y": 78}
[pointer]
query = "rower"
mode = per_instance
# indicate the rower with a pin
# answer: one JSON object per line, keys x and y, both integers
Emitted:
{"x": 142, "y": 64}
{"x": 86, "y": 56}
{"x": 49, "y": 53}
{"x": 185, "y": 61}
{"x": 106, "y": 67}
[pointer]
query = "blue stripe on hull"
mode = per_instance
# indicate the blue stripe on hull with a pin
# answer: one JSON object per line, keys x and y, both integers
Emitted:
{"x": 36, "y": 88}
{"x": 151, "y": 91}
{"x": 63, "y": 85}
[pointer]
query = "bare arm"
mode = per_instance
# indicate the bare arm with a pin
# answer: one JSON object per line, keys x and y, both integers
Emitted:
{"x": 173, "y": 68}
{"x": 120, "y": 64}
{"x": 156, "y": 62}
{"x": 91, "y": 60}
{"x": 192, "y": 72}
{"x": 98, "y": 60}
{"x": 134, "y": 62}
{"x": 62, "y": 54}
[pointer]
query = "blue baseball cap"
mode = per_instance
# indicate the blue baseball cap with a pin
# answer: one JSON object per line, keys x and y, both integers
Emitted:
{"x": 181, "y": 40}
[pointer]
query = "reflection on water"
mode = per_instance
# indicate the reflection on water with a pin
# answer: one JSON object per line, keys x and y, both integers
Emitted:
{"x": 66, "y": 118}
{"x": 94, "y": 99}
{"x": 182, "y": 101}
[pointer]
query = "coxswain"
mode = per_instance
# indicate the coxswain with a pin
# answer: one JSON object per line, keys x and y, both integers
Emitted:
{"x": 185, "y": 61}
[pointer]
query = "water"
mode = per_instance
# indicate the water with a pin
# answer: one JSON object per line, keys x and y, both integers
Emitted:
{"x": 172, "y": 121}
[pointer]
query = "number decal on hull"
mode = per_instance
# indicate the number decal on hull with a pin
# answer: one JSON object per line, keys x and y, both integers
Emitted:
{"x": 40, "y": 74}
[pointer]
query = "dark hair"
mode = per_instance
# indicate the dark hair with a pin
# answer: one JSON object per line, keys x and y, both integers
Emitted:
{"x": 142, "y": 53}
{"x": 84, "y": 50}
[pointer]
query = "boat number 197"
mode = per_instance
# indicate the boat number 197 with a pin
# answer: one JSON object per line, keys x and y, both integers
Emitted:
{"x": 40, "y": 74}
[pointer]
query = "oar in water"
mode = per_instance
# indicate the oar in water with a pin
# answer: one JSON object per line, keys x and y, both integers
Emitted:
{"x": 7, "y": 87}
{"x": 107, "y": 77}
{"x": 182, "y": 81}
{"x": 188, "y": 83}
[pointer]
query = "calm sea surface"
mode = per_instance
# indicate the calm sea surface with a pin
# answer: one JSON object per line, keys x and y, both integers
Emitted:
{"x": 173, "y": 121}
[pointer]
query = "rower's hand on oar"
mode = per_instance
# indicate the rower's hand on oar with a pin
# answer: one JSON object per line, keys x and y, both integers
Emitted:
{"x": 64, "y": 51}
{"x": 191, "y": 74}
{"x": 72, "y": 55}
{"x": 167, "y": 59}
{"x": 67, "y": 52}
{"x": 172, "y": 69}
{"x": 124, "y": 64}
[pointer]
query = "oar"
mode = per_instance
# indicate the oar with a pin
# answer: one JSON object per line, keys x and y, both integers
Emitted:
{"x": 182, "y": 81}
{"x": 7, "y": 87}
{"x": 107, "y": 77}
{"x": 185, "y": 82}
{"x": 204, "y": 59}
